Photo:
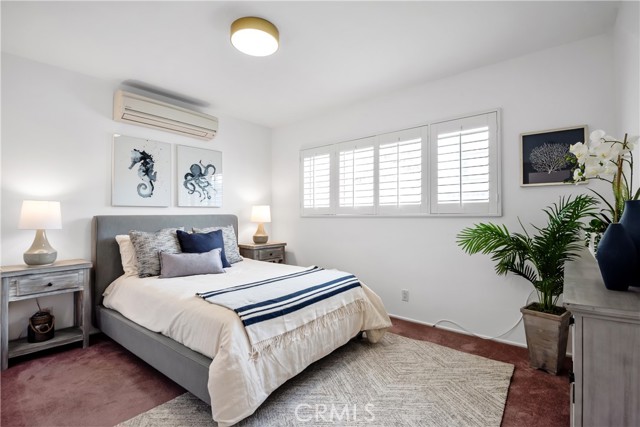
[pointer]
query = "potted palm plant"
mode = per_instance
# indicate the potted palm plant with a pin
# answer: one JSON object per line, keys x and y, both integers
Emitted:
{"x": 539, "y": 258}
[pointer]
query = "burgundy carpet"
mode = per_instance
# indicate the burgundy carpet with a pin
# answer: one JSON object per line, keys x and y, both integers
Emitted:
{"x": 101, "y": 385}
{"x": 104, "y": 384}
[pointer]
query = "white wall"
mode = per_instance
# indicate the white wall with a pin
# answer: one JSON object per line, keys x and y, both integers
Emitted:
{"x": 56, "y": 145}
{"x": 564, "y": 86}
{"x": 626, "y": 66}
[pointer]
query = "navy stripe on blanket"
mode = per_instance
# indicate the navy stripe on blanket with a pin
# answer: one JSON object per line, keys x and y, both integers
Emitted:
{"x": 306, "y": 294}
{"x": 209, "y": 294}
{"x": 291, "y": 309}
{"x": 284, "y": 298}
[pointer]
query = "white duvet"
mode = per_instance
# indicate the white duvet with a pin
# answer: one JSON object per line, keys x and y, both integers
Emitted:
{"x": 238, "y": 383}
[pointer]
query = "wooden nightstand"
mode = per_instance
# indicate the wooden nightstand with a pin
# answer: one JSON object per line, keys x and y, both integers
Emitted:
{"x": 270, "y": 252}
{"x": 21, "y": 282}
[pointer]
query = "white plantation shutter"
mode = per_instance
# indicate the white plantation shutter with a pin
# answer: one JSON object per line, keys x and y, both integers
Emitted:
{"x": 400, "y": 167}
{"x": 356, "y": 177}
{"x": 316, "y": 180}
{"x": 464, "y": 166}
{"x": 447, "y": 168}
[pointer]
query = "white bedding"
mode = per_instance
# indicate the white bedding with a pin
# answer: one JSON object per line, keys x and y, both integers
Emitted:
{"x": 238, "y": 383}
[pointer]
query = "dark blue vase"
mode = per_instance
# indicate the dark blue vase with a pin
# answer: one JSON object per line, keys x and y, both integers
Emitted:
{"x": 631, "y": 221}
{"x": 617, "y": 258}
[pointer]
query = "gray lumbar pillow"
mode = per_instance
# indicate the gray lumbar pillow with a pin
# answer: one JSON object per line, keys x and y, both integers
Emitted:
{"x": 148, "y": 247}
{"x": 189, "y": 264}
{"x": 231, "y": 251}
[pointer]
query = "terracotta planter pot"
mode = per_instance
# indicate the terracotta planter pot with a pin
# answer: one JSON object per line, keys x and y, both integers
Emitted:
{"x": 546, "y": 339}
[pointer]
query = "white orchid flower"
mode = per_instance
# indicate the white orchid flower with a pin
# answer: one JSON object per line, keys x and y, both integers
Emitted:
{"x": 628, "y": 148}
{"x": 615, "y": 151}
{"x": 577, "y": 176}
{"x": 610, "y": 168}
{"x": 597, "y": 135}
{"x": 593, "y": 167}
{"x": 600, "y": 158}
{"x": 580, "y": 150}
{"x": 603, "y": 151}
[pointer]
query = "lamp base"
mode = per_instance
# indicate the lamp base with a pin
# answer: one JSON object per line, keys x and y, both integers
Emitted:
{"x": 260, "y": 239}
{"x": 39, "y": 259}
{"x": 261, "y": 236}
{"x": 40, "y": 252}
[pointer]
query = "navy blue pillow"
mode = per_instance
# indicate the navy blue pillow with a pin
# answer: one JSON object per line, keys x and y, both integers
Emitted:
{"x": 202, "y": 242}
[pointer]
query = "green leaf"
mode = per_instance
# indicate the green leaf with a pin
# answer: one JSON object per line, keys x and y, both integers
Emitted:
{"x": 538, "y": 258}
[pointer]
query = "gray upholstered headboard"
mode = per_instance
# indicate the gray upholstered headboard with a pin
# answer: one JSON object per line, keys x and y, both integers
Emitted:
{"x": 107, "y": 265}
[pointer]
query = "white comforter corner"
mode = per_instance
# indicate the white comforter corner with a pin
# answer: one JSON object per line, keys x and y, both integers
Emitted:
{"x": 238, "y": 383}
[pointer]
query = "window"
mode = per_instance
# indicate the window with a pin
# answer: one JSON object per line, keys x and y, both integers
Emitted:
{"x": 464, "y": 171}
{"x": 356, "y": 183}
{"x": 400, "y": 172}
{"x": 446, "y": 168}
{"x": 316, "y": 181}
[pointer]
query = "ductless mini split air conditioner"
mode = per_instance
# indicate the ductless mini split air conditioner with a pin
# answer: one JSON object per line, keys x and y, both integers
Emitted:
{"x": 137, "y": 109}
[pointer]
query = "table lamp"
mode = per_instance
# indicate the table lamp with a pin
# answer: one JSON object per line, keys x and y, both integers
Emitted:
{"x": 261, "y": 214}
{"x": 40, "y": 216}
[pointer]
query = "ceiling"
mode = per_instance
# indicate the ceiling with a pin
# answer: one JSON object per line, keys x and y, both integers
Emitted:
{"x": 332, "y": 54}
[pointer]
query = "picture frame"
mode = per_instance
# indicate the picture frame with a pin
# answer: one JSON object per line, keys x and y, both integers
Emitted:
{"x": 542, "y": 155}
{"x": 141, "y": 174}
{"x": 199, "y": 177}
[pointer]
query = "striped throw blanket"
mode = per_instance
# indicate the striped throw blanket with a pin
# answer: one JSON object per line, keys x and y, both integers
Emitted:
{"x": 286, "y": 308}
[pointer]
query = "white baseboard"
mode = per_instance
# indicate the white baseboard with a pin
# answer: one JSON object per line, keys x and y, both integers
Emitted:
{"x": 460, "y": 331}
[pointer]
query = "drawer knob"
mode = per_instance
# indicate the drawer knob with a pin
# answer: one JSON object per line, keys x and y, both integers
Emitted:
{"x": 49, "y": 284}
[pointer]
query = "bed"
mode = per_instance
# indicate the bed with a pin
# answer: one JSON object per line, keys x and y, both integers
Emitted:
{"x": 230, "y": 375}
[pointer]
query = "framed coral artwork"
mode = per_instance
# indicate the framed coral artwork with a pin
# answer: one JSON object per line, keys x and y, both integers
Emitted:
{"x": 199, "y": 177}
{"x": 141, "y": 172}
{"x": 544, "y": 155}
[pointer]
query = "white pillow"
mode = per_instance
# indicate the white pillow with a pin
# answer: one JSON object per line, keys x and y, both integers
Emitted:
{"x": 127, "y": 255}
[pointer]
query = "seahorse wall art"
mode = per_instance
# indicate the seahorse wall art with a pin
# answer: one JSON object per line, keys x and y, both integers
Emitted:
{"x": 196, "y": 180}
{"x": 145, "y": 171}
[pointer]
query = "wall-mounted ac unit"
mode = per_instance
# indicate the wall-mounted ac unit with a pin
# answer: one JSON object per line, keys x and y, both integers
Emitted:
{"x": 137, "y": 109}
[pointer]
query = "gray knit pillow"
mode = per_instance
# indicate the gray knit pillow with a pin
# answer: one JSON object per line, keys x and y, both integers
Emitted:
{"x": 231, "y": 251}
{"x": 148, "y": 247}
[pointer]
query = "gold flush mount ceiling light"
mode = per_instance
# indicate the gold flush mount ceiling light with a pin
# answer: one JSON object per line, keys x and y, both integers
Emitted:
{"x": 254, "y": 36}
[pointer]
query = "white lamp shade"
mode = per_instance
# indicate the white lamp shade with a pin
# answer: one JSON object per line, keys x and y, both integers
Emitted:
{"x": 261, "y": 213}
{"x": 254, "y": 36}
{"x": 40, "y": 215}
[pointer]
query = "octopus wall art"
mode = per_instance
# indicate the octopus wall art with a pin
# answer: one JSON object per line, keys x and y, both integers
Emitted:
{"x": 196, "y": 181}
{"x": 200, "y": 177}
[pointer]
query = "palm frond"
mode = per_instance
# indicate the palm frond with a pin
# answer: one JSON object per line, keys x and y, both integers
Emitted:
{"x": 539, "y": 258}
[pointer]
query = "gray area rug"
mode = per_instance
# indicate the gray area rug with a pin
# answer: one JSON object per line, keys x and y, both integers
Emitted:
{"x": 396, "y": 382}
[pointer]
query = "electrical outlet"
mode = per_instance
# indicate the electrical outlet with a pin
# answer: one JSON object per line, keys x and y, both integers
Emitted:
{"x": 405, "y": 295}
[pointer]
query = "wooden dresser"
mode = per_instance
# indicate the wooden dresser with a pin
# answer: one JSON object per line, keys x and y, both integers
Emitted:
{"x": 606, "y": 348}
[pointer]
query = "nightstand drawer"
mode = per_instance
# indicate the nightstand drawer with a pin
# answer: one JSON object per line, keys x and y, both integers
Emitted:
{"x": 270, "y": 252}
{"x": 267, "y": 254}
{"x": 41, "y": 283}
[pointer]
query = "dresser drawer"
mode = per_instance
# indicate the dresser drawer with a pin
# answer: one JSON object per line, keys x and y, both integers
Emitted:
{"x": 269, "y": 254}
{"x": 42, "y": 283}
